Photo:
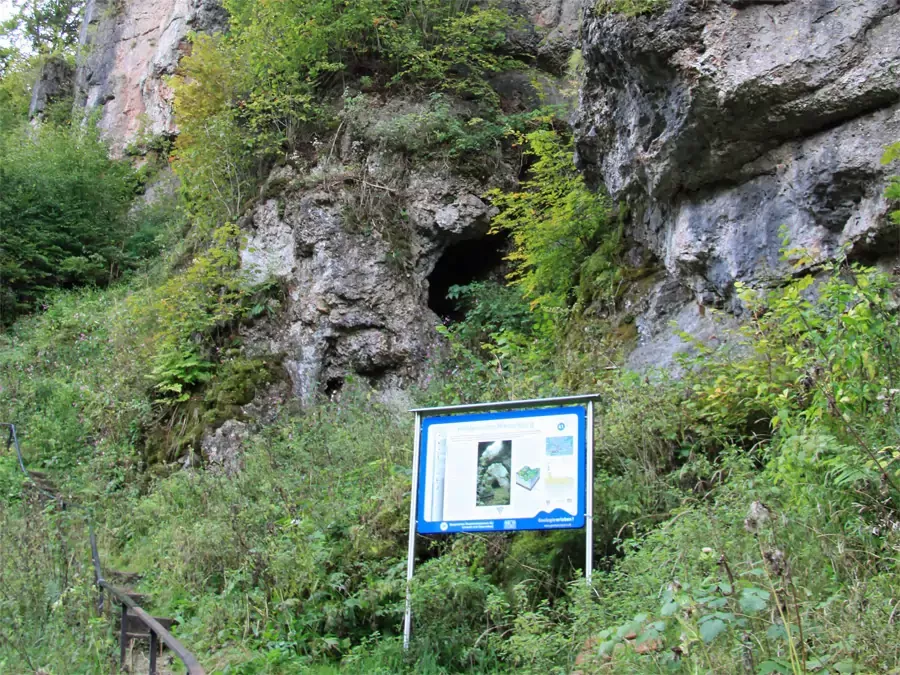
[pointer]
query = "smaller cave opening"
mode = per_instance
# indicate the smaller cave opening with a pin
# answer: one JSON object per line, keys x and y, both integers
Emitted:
{"x": 463, "y": 263}
{"x": 333, "y": 386}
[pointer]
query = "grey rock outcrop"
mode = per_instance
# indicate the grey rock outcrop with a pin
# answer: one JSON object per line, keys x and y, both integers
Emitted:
{"x": 731, "y": 125}
{"x": 223, "y": 448}
{"x": 357, "y": 284}
{"x": 56, "y": 83}
{"x": 127, "y": 50}
{"x": 551, "y": 29}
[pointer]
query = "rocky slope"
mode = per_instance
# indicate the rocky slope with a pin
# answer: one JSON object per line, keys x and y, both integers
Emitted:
{"x": 357, "y": 293}
{"x": 727, "y": 125}
{"x": 731, "y": 125}
{"x": 358, "y": 284}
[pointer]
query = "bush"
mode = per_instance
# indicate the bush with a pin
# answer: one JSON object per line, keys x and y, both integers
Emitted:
{"x": 490, "y": 309}
{"x": 631, "y": 7}
{"x": 893, "y": 192}
{"x": 63, "y": 205}
{"x": 556, "y": 222}
{"x": 268, "y": 86}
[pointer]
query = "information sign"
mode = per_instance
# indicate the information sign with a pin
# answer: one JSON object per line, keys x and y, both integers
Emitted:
{"x": 500, "y": 467}
{"x": 501, "y": 471}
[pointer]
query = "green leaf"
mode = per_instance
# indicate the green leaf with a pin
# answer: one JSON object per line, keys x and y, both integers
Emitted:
{"x": 753, "y": 599}
{"x": 776, "y": 632}
{"x": 710, "y": 630}
{"x": 774, "y": 666}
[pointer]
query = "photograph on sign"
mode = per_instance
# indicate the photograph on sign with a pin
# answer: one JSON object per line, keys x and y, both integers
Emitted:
{"x": 512, "y": 470}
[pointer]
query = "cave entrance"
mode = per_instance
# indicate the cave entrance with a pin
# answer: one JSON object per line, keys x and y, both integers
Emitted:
{"x": 463, "y": 263}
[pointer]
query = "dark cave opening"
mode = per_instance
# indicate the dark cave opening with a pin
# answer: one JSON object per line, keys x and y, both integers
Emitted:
{"x": 333, "y": 386}
{"x": 463, "y": 263}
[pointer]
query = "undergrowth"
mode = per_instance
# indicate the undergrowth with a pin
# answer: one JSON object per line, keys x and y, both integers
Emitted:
{"x": 746, "y": 513}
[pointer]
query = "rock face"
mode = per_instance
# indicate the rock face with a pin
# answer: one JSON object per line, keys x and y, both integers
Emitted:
{"x": 731, "y": 125}
{"x": 353, "y": 241}
{"x": 54, "y": 84}
{"x": 551, "y": 29}
{"x": 223, "y": 448}
{"x": 127, "y": 50}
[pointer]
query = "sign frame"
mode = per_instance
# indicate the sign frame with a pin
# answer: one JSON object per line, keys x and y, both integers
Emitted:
{"x": 485, "y": 411}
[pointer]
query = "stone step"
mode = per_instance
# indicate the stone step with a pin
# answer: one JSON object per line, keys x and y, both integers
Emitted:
{"x": 135, "y": 628}
{"x": 121, "y": 578}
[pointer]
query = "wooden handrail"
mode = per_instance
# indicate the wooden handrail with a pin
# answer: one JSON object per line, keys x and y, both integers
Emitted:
{"x": 156, "y": 629}
{"x": 193, "y": 667}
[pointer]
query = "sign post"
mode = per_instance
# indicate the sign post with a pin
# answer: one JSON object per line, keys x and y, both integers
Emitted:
{"x": 501, "y": 467}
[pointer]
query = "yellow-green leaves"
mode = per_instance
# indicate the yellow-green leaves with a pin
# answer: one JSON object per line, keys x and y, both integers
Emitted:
{"x": 892, "y": 154}
{"x": 555, "y": 220}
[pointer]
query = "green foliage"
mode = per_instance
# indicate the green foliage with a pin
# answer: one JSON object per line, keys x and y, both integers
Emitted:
{"x": 195, "y": 312}
{"x": 46, "y": 589}
{"x": 893, "y": 192}
{"x": 306, "y": 570}
{"x": 457, "y": 53}
{"x": 217, "y": 159}
{"x": 631, "y": 7}
{"x": 556, "y": 224}
{"x": 822, "y": 360}
{"x": 489, "y": 310}
{"x": 44, "y": 26}
{"x": 63, "y": 204}
{"x": 745, "y": 514}
{"x": 266, "y": 88}
{"x": 16, "y": 77}
{"x": 438, "y": 130}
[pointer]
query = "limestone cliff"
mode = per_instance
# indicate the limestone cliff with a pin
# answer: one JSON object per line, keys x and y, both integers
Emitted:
{"x": 726, "y": 125}
{"x": 357, "y": 288}
{"x": 127, "y": 50}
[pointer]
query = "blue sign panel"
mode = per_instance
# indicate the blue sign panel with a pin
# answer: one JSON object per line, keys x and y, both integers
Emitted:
{"x": 502, "y": 471}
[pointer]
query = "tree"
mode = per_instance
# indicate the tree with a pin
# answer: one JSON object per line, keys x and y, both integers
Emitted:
{"x": 42, "y": 26}
{"x": 63, "y": 209}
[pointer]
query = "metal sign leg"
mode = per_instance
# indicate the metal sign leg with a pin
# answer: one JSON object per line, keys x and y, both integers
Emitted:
{"x": 589, "y": 498}
{"x": 411, "y": 552}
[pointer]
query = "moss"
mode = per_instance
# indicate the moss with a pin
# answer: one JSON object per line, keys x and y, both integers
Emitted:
{"x": 631, "y": 7}
{"x": 235, "y": 384}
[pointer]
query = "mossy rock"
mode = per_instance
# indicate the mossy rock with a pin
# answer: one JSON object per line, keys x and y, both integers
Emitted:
{"x": 234, "y": 384}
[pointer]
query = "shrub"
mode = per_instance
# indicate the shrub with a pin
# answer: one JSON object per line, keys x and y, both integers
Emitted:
{"x": 63, "y": 205}
{"x": 893, "y": 192}
{"x": 268, "y": 85}
{"x": 556, "y": 222}
{"x": 195, "y": 312}
{"x": 631, "y": 7}
{"x": 489, "y": 310}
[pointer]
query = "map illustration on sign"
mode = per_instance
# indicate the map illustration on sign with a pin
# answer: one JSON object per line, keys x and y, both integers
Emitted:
{"x": 512, "y": 470}
{"x": 527, "y": 477}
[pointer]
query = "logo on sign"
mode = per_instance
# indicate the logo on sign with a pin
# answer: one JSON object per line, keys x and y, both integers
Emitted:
{"x": 444, "y": 527}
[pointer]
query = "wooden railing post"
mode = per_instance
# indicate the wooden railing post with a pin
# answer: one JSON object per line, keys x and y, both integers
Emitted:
{"x": 123, "y": 636}
{"x": 158, "y": 633}
{"x": 154, "y": 648}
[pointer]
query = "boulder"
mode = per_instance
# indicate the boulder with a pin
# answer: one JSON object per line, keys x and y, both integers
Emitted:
{"x": 223, "y": 448}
